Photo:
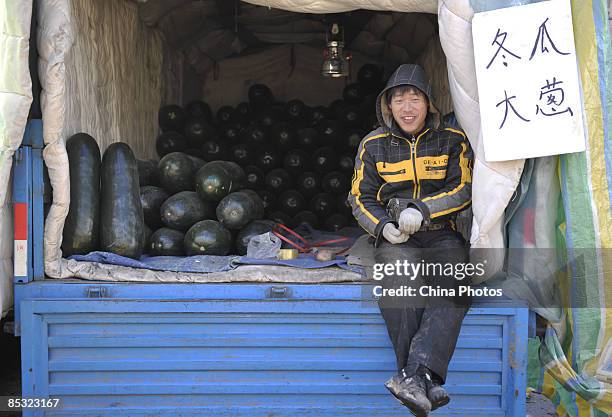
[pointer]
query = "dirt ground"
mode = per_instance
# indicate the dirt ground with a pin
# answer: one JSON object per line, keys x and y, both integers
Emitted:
{"x": 539, "y": 406}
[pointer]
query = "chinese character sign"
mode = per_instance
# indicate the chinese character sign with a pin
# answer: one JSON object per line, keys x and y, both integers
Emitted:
{"x": 528, "y": 81}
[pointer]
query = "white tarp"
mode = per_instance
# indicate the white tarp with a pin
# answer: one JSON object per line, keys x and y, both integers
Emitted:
{"x": 337, "y": 6}
{"x": 54, "y": 39}
{"x": 494, "y": 183}
{"x": 15, "y": 100}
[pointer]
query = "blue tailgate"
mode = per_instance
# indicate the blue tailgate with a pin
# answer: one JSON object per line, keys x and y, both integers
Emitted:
{"x": 247, "y": 350}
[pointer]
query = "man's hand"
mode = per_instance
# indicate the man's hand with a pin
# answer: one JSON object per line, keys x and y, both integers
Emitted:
{"x": 393, "y": 234}
{"x": 410, "y": 220}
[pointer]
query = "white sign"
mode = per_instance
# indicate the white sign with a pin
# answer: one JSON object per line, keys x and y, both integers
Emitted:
{"x": 528, "y": 81}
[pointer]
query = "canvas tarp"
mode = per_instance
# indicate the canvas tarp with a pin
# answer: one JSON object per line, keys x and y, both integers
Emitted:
{"x": 95, "y": 271}
{"x": 125, "y": 85}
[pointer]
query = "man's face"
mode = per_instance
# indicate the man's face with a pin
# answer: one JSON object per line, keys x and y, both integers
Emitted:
{"x": 410, "y": 111}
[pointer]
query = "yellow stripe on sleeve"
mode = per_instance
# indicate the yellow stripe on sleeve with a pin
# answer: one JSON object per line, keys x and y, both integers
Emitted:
{"x": 463, "y": 161}
{"x": 450, "y": 210}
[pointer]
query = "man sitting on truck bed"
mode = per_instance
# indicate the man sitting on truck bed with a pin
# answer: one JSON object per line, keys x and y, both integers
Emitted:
{"x": 413, "y": 164}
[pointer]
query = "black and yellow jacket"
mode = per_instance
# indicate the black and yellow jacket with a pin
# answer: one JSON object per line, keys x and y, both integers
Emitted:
{"x": 433, "y": 168}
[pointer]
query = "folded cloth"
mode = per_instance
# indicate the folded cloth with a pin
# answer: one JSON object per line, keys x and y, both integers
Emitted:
{"x": 198, "y": 263}
{"x": 361, "y": 253}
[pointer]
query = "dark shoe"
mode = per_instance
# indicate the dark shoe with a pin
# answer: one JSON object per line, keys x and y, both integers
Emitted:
{"x": 411, "y": 391}
{"x": 436, "y": 394}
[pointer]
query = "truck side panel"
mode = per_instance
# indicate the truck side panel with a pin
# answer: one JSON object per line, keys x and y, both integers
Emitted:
{"x": 251, "y": 354}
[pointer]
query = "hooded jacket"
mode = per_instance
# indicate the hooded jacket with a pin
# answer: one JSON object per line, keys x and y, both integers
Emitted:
{"x": 433, "y": 169}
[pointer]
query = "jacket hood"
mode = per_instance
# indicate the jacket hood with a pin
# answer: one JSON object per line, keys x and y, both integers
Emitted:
{"x": 406, "y": 74}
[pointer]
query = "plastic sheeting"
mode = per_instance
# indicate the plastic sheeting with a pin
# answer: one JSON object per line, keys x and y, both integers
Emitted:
{"x": 15, "y": 100}
{"x": 533, "y": 259}
{"x": 576, "y": 380}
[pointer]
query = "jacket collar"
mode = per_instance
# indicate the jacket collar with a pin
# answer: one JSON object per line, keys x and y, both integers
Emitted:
{"x": 395, "y": 130}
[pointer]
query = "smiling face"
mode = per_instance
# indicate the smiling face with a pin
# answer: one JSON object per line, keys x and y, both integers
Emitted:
{"x": 409, "y": 107}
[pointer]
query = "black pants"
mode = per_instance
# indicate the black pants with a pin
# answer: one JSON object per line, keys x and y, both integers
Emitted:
{"x": 424, "y": 330}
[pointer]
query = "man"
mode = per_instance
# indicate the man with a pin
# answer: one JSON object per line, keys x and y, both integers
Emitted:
{"x": 411, "y": 157}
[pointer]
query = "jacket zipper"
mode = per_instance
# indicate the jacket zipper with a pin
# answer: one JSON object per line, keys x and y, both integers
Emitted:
{"x": 416, "y": 191}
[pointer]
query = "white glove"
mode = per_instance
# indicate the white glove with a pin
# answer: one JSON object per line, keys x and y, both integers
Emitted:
{"x": 410, "y": 220}
{"x": 393, "y": 235}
